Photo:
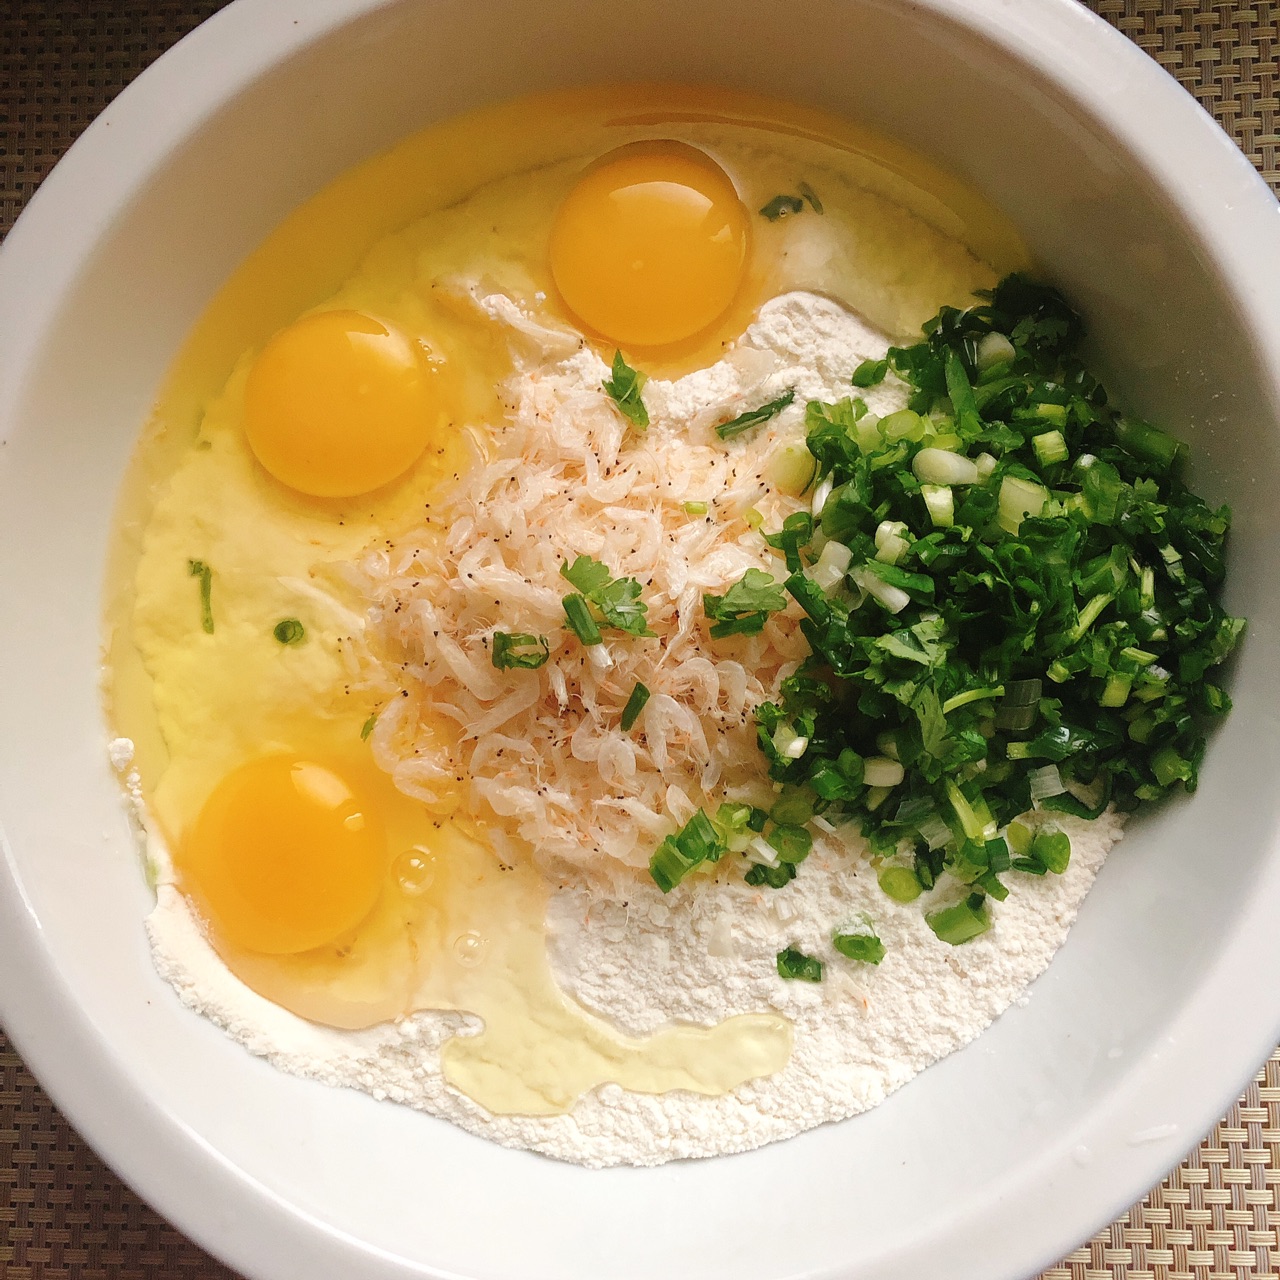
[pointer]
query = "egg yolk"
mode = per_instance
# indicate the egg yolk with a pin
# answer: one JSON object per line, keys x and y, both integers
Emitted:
{"x": 339, "y": 403}
{"x": 650, "y": 246}
{"x": 285, "y": 856}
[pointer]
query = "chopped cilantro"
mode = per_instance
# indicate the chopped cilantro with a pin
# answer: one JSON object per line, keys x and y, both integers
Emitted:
{"x": 745, "y": 607}
{"x": 519, "y": 649}
{"x": 367, "y": 728}
{"x": 586, "y": 574}
{"x": 797, "y": 966}
{"x": 616, "y": 601}
{"x": 624, "y": 390}
{"x": 198, "y": 569}
{"x": 754, "y": 417}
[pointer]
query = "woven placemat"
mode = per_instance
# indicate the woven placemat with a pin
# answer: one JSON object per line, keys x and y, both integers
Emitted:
{"x": 64, "y": 1216}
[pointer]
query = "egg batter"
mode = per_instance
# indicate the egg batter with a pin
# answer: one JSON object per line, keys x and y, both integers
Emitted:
{"x": 352, "y": 904}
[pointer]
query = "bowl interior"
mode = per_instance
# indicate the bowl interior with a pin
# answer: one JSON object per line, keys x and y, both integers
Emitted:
{"x": 996, "y": 1160}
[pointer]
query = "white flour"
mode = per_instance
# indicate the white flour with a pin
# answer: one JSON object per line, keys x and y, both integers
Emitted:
{"x": 708, "y": 950}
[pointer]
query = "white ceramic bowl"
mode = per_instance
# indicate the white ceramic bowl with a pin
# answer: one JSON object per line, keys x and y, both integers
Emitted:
{"x": 990, "y": 1165}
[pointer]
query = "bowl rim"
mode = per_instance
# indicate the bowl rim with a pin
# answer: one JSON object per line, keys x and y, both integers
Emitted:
{"x": 1157, "y": 123}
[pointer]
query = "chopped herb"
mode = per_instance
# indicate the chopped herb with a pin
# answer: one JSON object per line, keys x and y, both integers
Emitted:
{"x": 754, "y": 417}
{"x": 859, "y": 944}
{"x": 698, "y": 841}
{"x": 696, "y": 508}
{"x": 760, "y": 873}
{"x": 586, "y": 574}
{"x": 797, "y": 966}
{"x": 961, "y": 923}
{"x": 580, "y": 621}
{"x": 367, "y": 728}
{"x": 869, "y": 373}
{"x": 198, "y": 569}
{"x": 782, "y": 207}
{"x": 1035, "y": 617}
{"x": 624, "y": 389}
{"x": 900, "y": 883}
{"x": 745, "y": 607}
{"x": 790, "y": 843}
{"x": 811, "y": 196}
{"x": 635, "y": 705}
{"x": 289, "y": 631}
{"x": 616, "y": 601}
{"x": 519, "y": 649}
{"x": 621, "y": 607}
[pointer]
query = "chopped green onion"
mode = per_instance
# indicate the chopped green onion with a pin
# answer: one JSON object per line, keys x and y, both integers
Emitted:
{"x": 368, "y": 727}
{"x": 774, "y": 877}
{"x": 970, "y": 695}
{"x": 1050, "y": 447}
{"x": 1052, "y": 849}
{"x": 289, "y": 631}
{"x": 635, "y": 705}
{"x": 831, "y": 566}
{"x": 993, "y": 349}
{"x": 797, "y": 966}
{"x": 940, "y": 503}
{"x": 696, "y": 842}
{"x": 793, "y": 807}
{"x": 790, "y": 843}
{"x": 790, "y": 469}
{"x": 1116, "y": 691}
{"x": 580, "y": 620}
{"x": 519, "y": 649}
{"x": 1147, "y": 443}
{"x": 198, "y": 569}
{"x": 879, "y": 771}
{"x": 1045, "y": 782}
{"x": 1169, "y": 767}
{"x": 1018, "y": 500}
{"x": 903, "y": 425}
{"x": 696, "y": 508}
{"x": 962, "y": 922}
{"x": 870, "y": 373}
{"x": 899, "y": 883}
{"x": 934, "y": 466}
{"x": 859, "y": 943}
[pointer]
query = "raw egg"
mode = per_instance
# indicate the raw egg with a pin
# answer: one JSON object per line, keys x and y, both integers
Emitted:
{"x": 650, "y": 246}
{"x": 339, "y": 403}
{"x": 286, "y": 855}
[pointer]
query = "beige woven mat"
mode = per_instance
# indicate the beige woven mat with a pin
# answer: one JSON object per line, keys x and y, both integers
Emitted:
{"x": 63, "y": 1216}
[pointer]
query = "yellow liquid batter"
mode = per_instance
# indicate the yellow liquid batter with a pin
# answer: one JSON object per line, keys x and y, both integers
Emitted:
{"x": 454, "y": 928}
